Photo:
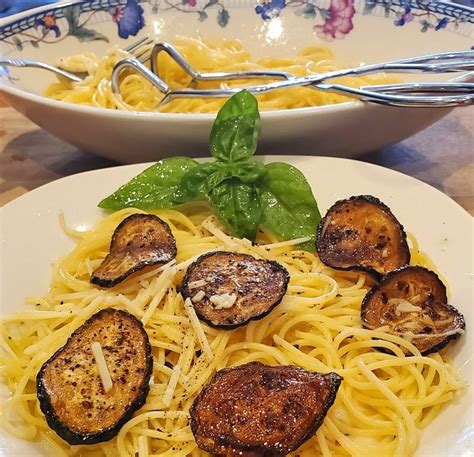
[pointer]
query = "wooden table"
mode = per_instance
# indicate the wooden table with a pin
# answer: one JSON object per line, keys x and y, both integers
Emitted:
{"x": 442, "y": 155}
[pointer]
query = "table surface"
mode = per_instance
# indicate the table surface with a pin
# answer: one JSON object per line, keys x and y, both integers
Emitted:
{"x": 442, "y": 155}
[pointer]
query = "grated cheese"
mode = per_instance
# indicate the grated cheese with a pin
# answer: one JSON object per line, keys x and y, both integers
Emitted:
{"x": 101, "y": 366}
{"x": 167, "y": 265}
{"x": 209, "y": 225}
{"x": 162, "y": 285}
{"x": 198, "y": 297}
{"x": 171, "y": 387}
{"x": 196, "y": 284}
{"x": 325, "y": 226}
{"x": 185, "y": 263}
{"x": 206, "y": 348}
{"x": 282, "y": 244}
{"x": 456, "y": 331}
{"x": 403, "y": 306}
{"x": 223, "y": 301}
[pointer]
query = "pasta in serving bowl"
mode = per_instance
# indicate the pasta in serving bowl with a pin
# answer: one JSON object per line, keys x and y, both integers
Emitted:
{"x": 268, "y": 33}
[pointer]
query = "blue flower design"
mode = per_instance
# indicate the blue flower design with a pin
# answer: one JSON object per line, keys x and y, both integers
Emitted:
{"x": 407, "y": 16}
{"x": 442, "y": 23}
{"x": 271, "y": 9}
{"x": 48, "y": 22}
{"x": 129, "y": 19}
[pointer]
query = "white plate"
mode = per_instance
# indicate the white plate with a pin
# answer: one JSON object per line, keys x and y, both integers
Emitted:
{"x": 31, "y": 239}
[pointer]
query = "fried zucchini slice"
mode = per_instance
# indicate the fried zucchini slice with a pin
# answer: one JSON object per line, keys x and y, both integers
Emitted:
{"x": 362, "y": 233}
{"x": 138, "y": 241}
{"x": 229, "y": 289}
{"x": 260, "y": 410}
{"x": 412, "y": 301}
{"x": 71, "y": 392}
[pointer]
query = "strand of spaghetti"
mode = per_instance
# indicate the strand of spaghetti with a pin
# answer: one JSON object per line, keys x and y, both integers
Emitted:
{"x": 405, "y": 414}
{"x": 140, "y": 418}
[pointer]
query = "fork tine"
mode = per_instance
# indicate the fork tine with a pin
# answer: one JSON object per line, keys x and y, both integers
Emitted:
{"x": 144, "y": 41}
{"x": 141, "y": 49}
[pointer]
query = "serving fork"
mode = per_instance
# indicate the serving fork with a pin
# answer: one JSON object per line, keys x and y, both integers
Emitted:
{"x": 138, "y": 50}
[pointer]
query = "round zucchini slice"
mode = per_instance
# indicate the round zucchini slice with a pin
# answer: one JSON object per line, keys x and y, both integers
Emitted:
{"x": 260, "y": 410}
{"x": 362, "y": 233}
{"x": 228, "y": 289}
{"x": 138, "y": 241}
{"x": 91, "y": 386}
{"x": 412, "y": 302}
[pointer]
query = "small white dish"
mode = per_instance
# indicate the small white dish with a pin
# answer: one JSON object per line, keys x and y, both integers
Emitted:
{"x": 31, "y": 239}
{"x": 359, "y": 31}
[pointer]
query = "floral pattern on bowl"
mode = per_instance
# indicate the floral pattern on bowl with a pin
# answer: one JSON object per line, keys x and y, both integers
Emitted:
{"x": 129, "y": 18}
{"x": 329, "y": 19}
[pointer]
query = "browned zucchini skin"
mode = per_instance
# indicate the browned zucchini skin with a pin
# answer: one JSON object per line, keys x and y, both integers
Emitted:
{"x": 186, "y": 293}
{"x": 435, "y": 348}
{"x": 107, "y": 283}
{"x": 76, "y": 438}
{"x": 370, "y": 199}
{"x": 257, "y": 451}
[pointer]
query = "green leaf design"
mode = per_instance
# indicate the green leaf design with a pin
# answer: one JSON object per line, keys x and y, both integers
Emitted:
{"x": 210, "y": 3}
{"x": 17, "y": 43}
{"x": 308, "y": 11}
{"x": 202, "y": 16}
{"x": 72, "y": 15}
{"x": 237, "y": 205}
{"x": 34, "y": 44}
{"x": 154, "y": 188}
{"x": 83, "y": 34}
{"x": 387, "y": 7}
{"x": 368, "y": 7}
{"x": 289, "y": 208}
{"x": 236, "y": 129}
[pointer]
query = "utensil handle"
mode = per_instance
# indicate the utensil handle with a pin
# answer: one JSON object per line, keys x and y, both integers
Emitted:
{"x": 392, "y": 95}
{"x": 19, "y": 63}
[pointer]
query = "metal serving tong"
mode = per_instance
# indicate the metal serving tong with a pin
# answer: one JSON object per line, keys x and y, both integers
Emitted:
{"x": 407, "y": 94}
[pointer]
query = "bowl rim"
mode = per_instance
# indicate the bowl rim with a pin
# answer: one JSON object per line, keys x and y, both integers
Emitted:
{"x": 192, "y": 117}
{"x": 9, "y": 20}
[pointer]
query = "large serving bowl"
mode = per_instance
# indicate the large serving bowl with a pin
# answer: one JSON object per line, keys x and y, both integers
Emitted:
{"x": 358, "y": 31}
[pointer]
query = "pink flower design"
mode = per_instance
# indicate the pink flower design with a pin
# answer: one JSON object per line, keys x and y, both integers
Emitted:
{"x": 191, "y": 2}
{"x": 118, "y": 14}
{"x": 338, "y": 21}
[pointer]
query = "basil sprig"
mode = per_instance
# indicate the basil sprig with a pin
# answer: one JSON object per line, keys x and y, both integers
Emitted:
{"x": 242, "y": 192}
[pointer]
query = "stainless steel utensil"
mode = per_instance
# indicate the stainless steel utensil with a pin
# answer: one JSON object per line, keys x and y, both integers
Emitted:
{"x": 406, "y": 94}
{"x": 138, "y": 49}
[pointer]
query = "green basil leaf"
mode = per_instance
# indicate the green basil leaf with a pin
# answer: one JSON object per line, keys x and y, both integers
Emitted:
{"x": 289, "y": 208}
{"x": 236, "y": 129}
{"x": 237, "y": 205}
{"x": 200, "y": 180}
{"x": 249, "y": 171}
{"x": 154, "y": 188}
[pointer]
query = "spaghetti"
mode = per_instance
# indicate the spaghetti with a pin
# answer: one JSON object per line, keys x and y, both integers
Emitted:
{"x": 137, "y": 94}
{"x": 383, "y": 400}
